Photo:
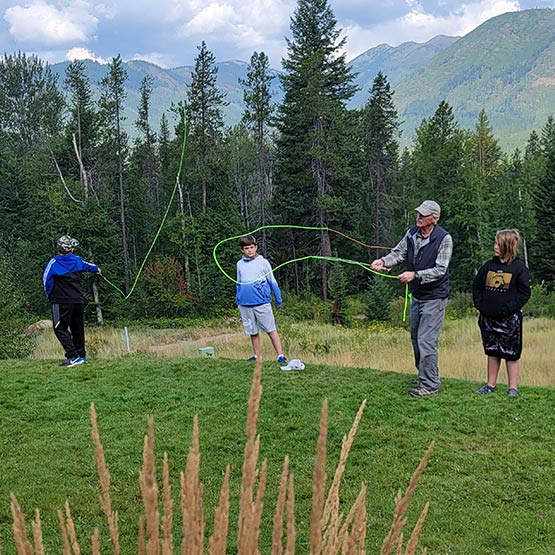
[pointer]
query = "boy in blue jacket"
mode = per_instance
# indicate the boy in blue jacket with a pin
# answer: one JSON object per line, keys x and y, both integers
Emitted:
{"x": 62, "y": 285}
{"x": 256, "y": 284}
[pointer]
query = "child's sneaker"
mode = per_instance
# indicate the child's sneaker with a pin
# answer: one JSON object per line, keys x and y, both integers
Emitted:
{"x": 65, "y": 362}
{"x": 486, "y": 389}
{"x": 252, "y": 359}
{"x": 282, "y": 359}
{"x": 513, "y": 392}
{"x": 75, "y": 361}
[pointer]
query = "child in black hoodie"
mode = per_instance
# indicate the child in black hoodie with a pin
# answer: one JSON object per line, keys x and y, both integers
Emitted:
{"x": 500, "y": 290}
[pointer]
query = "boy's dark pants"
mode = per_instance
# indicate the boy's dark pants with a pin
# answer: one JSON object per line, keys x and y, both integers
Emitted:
{"x": 69, "y": 328}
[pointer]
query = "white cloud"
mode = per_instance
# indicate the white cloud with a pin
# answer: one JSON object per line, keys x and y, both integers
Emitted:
{"x": 259, "y": 25}
{"x": 78, "y": 53}
{"x": 420, "y": 26}
{"x": 41, "y": 23}
{"x": 213, "y": 17}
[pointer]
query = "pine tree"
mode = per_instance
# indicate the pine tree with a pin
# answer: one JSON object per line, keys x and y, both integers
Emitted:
{"x": 543, "y": 252}
{"x": 485, "y": 182}
{"x": 30, "y": 102}
{"x": 438, "y": 161}
{"x": 115, "y": 141}
{"x": 204, "y": 110}
{"x": 243, "y": 161}
{"x": 258, "y": 116}
{"x": 380, "y": 148}
{"x": 148, "y": 143}
{"x": 313, "y": 124}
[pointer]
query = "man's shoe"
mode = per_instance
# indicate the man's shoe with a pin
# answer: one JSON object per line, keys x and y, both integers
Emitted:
{"x": 252, "y": 359}
{"x": 65, "y": 362}
{"x": 513, "y": 392}
{"x": 75, "y": 361}
{"x": 282, "y": 359}
{"x": 422, "y": 392}
{"x": 486, "y": 389}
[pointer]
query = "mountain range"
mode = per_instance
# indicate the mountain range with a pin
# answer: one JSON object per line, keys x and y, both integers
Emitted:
{"x": 505, "y": 66}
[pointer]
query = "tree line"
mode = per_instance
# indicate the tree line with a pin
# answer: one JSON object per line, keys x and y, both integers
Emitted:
{"x": 68, "y": 167}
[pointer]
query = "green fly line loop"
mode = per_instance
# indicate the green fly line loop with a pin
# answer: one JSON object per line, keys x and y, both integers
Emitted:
{"x": 177, "y": 177}
{"x": 363, "y": 265}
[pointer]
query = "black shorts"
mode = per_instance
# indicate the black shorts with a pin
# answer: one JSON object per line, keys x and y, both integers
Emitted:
{"x": 502, "y": 337}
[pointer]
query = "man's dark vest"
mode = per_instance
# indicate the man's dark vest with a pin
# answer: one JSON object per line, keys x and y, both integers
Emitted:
{"x": 426, "y": 258}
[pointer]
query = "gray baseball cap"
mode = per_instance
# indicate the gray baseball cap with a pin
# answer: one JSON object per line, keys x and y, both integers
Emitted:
{"x": 429, "y": 207}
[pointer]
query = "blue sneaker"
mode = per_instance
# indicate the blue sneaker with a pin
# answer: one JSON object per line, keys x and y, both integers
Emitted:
{"x": 486, "y": 389}
{"x": 282, "y": 359}
{"x": 252, "y": 359}
{"x": 75, "y": 361}
{"x": 65, "y": 362}
{"x": 513, "y": 392}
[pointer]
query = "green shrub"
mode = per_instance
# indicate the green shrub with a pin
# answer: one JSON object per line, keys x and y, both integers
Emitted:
{"x": 168, "y": 295}
{"x": 14, "y": 342}
{"x": 378, "y": 299}
{"x": 397, "y": 312}
{"x": 355, "y": 311}
{"x": 460, "y": 306}
{"x": 12, "y": 300}
{"x": 541, "y": 303}
{"x": 306, "y": 307}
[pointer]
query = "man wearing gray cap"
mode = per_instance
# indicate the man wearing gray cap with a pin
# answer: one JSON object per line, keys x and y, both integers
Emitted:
{"x": 426, "y": 248}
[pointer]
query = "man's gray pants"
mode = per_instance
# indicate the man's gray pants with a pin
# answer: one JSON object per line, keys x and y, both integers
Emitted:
{"x": 426, "y": 322}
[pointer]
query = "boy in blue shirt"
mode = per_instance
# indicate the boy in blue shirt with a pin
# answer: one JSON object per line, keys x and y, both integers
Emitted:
{"x": 256, "y": 284}
{"x": 62, "y": 285}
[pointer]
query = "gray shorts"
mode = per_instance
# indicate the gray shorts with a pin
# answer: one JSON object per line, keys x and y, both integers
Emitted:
{"x": 257, "y": 318}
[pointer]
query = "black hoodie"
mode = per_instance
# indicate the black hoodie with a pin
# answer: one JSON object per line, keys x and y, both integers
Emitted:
{"x": 501, "y": 289}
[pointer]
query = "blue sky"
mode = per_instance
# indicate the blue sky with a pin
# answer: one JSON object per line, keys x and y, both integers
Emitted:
{"x": 167, "y": 32}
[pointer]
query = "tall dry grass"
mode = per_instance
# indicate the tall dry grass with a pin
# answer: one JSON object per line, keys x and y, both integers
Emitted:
{"x": 460, "y": 349}
{"x": 461, "y": 355}
{"x": 332, "y": 529}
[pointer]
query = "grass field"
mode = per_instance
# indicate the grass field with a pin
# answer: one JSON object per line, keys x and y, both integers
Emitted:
{"x": 490, "y": 481}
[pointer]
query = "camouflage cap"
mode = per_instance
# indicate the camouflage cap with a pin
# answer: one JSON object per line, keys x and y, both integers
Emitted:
{"x": 66, "y": 243}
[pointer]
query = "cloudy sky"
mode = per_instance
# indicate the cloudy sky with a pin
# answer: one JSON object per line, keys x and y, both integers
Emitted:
{"x": 167, "y": 32}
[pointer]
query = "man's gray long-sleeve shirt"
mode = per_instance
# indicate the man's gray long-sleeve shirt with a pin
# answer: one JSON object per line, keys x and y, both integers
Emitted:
{"x": 399, "y": 254}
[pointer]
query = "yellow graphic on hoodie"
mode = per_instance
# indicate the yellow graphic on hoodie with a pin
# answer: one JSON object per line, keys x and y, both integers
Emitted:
{"x": 498, "y": 280}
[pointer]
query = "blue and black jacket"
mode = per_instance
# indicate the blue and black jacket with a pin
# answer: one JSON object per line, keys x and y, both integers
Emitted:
{"x": 62, "y": 278}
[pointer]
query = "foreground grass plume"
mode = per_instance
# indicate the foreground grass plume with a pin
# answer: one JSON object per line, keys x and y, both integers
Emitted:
{"x": 333, "y": 530}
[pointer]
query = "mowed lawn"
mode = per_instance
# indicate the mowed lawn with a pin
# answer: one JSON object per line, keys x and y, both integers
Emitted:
{"x": 490, "y": 480}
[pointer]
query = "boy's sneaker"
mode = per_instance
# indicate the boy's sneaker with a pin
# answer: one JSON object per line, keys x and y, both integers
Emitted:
{"x": 486, "y": 389}
{"x": 513, "y": 392}
{"x": 75, "y": 361}
{"x": 422, "y": 392}
{"x": 65, "y": 362}
{"x": 252, "y": 359}
{"x": 282, "y": 359}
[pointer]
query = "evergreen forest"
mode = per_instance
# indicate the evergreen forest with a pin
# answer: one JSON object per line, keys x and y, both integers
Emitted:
{"x": 67, "y": 166}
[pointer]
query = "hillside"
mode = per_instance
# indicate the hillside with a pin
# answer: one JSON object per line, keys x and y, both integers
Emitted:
{"x": 505, "y": 66}
{"x": 170, "y": 86}
{"x": 396, "y": 62}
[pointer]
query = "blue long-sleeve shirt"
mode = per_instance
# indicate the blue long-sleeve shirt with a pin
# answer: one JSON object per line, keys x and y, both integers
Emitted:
{"x": 62, "y": 278}
{"x": 256, "y": 282}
